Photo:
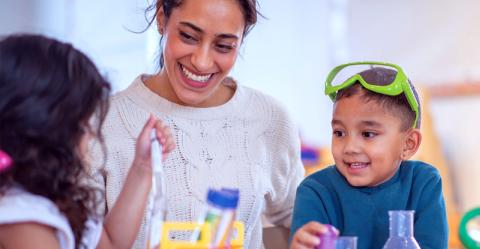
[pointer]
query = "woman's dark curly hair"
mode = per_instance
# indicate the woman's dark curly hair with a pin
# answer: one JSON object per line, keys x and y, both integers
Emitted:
{"x": 49, "y": 91}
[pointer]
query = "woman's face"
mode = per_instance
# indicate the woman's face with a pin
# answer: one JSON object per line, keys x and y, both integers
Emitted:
{"x": 201, "y": 38}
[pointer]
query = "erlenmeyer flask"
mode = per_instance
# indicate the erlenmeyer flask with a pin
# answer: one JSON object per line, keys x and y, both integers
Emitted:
{"x": 401, "y": 230}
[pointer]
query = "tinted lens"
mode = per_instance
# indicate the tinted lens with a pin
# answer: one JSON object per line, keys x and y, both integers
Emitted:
{"x": 372, "y": 74}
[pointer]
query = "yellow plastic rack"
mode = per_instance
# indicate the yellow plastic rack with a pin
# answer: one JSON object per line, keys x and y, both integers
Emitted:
{"x": 205, "y": 240}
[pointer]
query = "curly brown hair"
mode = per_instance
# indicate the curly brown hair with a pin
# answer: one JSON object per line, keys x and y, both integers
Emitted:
{"x": 49, "y": 92}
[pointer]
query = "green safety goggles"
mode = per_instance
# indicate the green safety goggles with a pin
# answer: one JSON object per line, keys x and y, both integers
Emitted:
{"x": 341, "y": 77}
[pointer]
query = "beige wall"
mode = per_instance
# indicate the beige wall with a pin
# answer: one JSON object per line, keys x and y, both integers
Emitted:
{"x": 437, "y": 42}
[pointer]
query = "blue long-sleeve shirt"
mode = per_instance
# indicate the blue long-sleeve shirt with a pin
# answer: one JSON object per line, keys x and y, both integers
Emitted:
{"x": 326, "y": 197}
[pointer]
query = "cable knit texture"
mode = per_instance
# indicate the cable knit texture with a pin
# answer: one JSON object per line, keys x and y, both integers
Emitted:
{"x": 248, "y": 143}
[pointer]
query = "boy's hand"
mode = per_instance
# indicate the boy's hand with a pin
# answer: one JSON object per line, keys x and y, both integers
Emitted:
{"x": 144, "y": 143}
{"x": 307, "y": 237}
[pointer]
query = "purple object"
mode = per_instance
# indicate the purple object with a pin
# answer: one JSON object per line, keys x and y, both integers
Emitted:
{"x": 5, "y": 161}
{"x": 327, "y": 240}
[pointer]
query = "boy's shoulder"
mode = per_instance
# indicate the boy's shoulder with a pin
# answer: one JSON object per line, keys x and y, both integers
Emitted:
{"x": 419, "y": 174}
{"x": 419, "y": 169}
{"x": 327, "y": 177}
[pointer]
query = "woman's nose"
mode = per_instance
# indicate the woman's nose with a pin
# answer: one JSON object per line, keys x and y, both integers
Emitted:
{"x": 202, "y": 59}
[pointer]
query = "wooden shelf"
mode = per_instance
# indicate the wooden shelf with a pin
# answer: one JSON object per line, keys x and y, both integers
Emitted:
{"x": 454, "y": 90}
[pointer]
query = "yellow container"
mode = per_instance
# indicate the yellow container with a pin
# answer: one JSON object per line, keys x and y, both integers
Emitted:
{"x": 204, "y": 242}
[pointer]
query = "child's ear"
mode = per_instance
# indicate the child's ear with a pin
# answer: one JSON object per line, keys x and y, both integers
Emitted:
{"x": 412, "y": 143}
{"x": 161, "y": 20}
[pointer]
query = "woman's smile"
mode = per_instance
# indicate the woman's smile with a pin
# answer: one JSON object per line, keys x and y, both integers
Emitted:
{"x": 193, "y": 79}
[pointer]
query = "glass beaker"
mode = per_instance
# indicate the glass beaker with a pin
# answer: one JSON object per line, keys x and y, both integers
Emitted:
{"x": 346, "y": 242}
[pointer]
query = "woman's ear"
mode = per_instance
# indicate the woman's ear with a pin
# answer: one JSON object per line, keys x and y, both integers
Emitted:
{"x": 161, "y": 21}
{"x": 411, "y": 144}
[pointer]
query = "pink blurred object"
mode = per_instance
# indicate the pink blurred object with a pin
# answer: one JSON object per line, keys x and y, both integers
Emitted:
{"x": 5, "y": 161}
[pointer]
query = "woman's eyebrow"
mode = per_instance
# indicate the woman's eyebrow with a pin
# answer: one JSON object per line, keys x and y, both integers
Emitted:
{"x": 198, "y": 29}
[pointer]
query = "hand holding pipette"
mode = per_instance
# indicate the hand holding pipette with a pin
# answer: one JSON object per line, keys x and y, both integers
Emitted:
{"x": 143, "y": 155}
{"x": 158, "y": 200}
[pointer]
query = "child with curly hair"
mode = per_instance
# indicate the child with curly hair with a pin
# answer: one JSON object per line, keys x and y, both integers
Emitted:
{"x": 53, "y": 101}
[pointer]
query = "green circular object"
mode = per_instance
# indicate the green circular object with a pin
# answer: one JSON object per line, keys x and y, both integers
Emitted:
{"x": 468, "y": 238}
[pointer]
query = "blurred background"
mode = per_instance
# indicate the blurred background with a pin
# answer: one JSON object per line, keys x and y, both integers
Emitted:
{"x": 289, "y": 53}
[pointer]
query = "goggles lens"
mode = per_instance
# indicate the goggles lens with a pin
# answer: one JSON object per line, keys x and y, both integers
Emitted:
{"x": 350, "y": 71}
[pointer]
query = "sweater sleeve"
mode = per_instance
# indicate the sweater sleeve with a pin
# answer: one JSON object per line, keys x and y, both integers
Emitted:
{"x": 97, "y": 174}
{"x": 107, "y": 161}
{"x": 287, "y": 170}
{"x": 431, "y": 228}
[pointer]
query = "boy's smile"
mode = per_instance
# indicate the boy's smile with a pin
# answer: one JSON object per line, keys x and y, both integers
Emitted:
{"x": 367, "y": 141}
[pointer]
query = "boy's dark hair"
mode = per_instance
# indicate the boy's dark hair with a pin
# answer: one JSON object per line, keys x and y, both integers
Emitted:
{"x": 397, "y": 105}
{"x": 49, "y": 91}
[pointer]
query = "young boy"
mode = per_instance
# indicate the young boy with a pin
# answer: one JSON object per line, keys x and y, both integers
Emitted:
{"x": 376, "y": 121}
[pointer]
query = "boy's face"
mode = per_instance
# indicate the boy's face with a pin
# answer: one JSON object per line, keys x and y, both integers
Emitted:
{"x": 367, "y": 142}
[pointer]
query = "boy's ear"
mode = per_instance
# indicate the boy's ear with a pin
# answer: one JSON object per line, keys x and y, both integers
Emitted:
{"x": 412, "y": 143}
{"x": 161, "y": 20}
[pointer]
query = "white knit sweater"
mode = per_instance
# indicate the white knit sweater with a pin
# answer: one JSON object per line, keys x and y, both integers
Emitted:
{"x": 248, "y": 143}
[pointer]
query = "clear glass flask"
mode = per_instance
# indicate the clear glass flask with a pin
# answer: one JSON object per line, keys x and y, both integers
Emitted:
{"x": 401, "y": 230}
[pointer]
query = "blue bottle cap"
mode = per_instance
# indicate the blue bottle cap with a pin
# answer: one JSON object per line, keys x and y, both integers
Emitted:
{"x": 225, "y": 198}
{"x": 233, "y": 191}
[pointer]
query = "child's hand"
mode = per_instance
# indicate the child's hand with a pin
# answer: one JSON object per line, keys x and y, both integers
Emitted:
{"x": 121, "y": 229}
{"x": 308, "y": 236}
{"x": 143, "y": 145}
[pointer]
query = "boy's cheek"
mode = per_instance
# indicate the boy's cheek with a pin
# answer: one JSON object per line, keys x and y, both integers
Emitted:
{"x": 336, "y": 153}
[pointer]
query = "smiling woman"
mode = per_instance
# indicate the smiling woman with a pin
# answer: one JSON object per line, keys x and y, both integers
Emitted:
{"x": 201, "y": 46}
{"x": 227, "y": 135}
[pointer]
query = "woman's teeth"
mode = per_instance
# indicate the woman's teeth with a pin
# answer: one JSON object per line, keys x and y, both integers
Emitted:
{"x": 195, "y": 77}
{"x": 358, "y": 165}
